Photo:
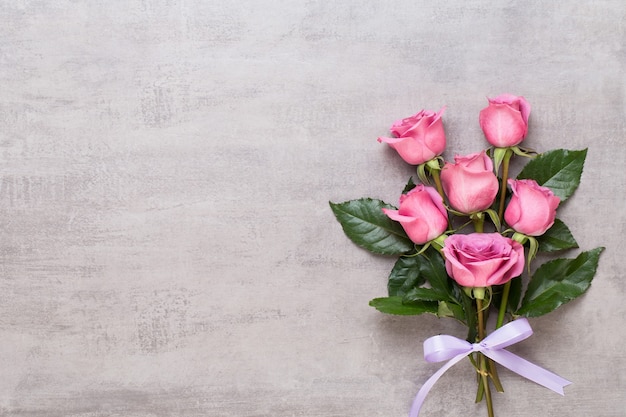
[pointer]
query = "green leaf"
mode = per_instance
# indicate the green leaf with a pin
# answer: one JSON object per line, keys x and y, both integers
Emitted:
{"x": 409, "y": 186}
{"x": 515, "y": 294}
{"x": 559, "y": 170}
{"x": 404, "y": 276}
{"x": 451, "y": 310}
{"x": 559, "y": 281}
{"x": 433, "y": 268}
{"x": 469, "y": 316}
{"x": 394, "y": 305}
{"x": 424, "y": 294}
{"x": 558, "y": 237}
{"x": 366, "y": 225}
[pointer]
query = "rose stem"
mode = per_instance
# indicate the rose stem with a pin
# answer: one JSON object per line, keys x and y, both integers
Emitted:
{"x": 505, "y": 175}
{"x": 435, "y": 173}
{"x": 493, "y": 371}
{"x": 505, "y": 299}
{"x": 478, "y": 227}
{"x": 507, "y": 286}
{"x": 483, "y": 363}
{"x": 479, "y": 223}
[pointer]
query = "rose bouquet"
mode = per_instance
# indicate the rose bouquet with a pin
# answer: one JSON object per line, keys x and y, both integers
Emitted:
{"x": 466, "y": 235}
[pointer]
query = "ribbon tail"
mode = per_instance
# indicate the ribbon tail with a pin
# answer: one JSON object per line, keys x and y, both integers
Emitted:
{"x": 423, "y": 392}
{"x": 528, "y": 370}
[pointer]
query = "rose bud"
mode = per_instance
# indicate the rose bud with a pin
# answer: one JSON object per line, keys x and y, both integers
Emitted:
{"x": 483, "y": 259}
{"x": 469, "y": 183}
{"x": 505, "y": 120}
{"x": 532, "y": 208}
{"x": 421, "y": 214}
{"x": 419, "y": 138}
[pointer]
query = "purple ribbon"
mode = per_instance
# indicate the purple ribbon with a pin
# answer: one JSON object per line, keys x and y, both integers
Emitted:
{"x": 444, "y": 347}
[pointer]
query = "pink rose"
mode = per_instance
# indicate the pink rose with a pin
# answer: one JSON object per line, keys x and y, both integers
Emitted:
{"x": 470, "y": 183}
{"x": 483, "y": 259}
{"x": 532, "y": 208}
{"x": 419, "y": 138}
{"x": 421, "y": 214}
{"x": 505, "y": 120}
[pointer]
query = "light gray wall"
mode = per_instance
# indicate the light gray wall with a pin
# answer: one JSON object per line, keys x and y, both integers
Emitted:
{"x": 167, "y": 247}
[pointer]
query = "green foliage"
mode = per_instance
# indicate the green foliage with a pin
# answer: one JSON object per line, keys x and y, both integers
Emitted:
{"x": 559, "y": 281}
{"x": 433, "y": 268}
{"x": 515, "y": 294}
{"x": 413, "y": 271}
{"x": 419, "y": 284}
{"x": 409, "y": 186}
{"x": 395, "y": 305}
{"x": 450, "y": 310}
{"x": 407, "y": 282}
{"x": 469, "y": 318}
{"x": 405, "y": 275}
{"x": 366, "y": 225}
{"x": 425, "y": 294}
{"x": 559, "y": 170}
{"x": 558, "y": 237}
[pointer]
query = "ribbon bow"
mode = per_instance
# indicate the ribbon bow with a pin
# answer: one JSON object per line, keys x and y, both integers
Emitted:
{"x": 445, "y": 347}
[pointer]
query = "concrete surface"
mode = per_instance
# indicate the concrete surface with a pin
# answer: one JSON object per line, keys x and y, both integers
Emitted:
{"x": 167, "y": 247}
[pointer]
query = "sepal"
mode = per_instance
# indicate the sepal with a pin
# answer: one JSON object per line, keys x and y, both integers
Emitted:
{"x": 498, "y": 156}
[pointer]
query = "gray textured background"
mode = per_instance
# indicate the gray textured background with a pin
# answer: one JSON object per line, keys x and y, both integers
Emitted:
{"x": 167, "y": 247}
